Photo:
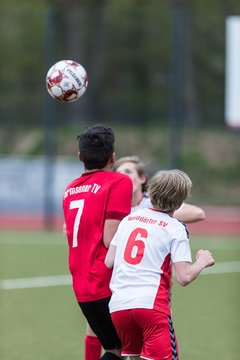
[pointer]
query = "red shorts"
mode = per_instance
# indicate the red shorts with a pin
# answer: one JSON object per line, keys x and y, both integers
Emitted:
{"x": 146, "y": 332}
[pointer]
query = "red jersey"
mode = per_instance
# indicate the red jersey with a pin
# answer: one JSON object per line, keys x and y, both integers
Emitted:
{"x": 88, "y": 201}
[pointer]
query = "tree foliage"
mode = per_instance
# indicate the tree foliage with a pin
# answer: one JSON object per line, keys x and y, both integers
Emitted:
{"x": 127, "y": 49}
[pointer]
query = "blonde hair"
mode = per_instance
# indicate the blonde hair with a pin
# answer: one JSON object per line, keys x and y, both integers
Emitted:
{"x": 139, "y": 166}
{"x": 168, "y": 189}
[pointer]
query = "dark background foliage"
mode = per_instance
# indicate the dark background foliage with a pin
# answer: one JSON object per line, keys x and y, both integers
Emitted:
{"x": 130, "y": 50}
{"x": 156, "y": 75}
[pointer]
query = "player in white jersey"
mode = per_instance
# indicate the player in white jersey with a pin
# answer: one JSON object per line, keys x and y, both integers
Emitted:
{"x": 135, "y": 169}
{"x": 142, "y": 250}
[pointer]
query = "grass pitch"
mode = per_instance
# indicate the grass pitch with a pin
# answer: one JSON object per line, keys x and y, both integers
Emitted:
{"x": 43, "y": 321}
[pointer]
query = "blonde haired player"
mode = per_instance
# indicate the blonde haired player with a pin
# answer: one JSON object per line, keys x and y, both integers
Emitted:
{"x": 188, "y": 213}
{"x": 141, "y": 252}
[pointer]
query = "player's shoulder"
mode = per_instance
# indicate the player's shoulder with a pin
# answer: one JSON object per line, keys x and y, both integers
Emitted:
{"x": 178, "y": 228}
{"x": 74, "y": 182}
{"x": 183, "y": 227}
{"x": 119, "y": 177}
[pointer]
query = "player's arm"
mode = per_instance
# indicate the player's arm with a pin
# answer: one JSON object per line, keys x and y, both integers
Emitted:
{"x": 188, "y": 213}
{"x": 110, "y": 227}
{"x": 109, "y": 260}
{"x": 118, "y": 207}
{"x": 186, "y": 272}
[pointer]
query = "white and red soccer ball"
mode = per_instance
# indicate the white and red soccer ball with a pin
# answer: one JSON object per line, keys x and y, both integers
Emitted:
{"x": 66, "y": 80}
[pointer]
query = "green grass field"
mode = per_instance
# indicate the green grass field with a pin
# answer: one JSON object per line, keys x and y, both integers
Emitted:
{"x": 41, "y": 320}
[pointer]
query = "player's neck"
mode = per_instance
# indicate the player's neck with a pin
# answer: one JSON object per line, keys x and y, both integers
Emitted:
{"x": 137, "y": 198}
{"x": 86, "y": 171}
{"x": 106, "y": 168}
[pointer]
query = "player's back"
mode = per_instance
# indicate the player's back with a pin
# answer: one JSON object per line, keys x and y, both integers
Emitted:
{"x": 88, "y": 201}
{"x": 145, "y": 242}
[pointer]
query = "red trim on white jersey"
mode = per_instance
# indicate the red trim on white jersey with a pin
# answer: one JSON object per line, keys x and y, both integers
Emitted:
{"x": 147, "y": 242}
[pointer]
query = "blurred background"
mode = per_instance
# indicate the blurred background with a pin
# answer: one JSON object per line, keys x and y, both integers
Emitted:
{"x": 157, "y": 75}
{"x": 158, "y": 72}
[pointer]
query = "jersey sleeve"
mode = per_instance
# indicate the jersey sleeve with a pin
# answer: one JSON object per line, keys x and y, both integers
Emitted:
{"x": 120, "y": 198}
{"x": 180, "y": 248}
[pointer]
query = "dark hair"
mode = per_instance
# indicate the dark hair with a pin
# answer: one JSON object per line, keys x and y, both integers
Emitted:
{"x": 96, "y": 146}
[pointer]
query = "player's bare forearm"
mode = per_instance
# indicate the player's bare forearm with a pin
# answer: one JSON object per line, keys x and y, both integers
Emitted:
{"x": 189, "y": 213}
{"x": 109, "y": 260}
{"x": 110, "y": 229}
{"x": 186, "y": 272}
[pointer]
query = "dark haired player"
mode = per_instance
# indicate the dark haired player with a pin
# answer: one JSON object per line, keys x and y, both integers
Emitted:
{"x": 94, "y": 204}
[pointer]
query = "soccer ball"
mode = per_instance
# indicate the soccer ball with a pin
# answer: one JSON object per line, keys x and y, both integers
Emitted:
{"x": 66, "y": 81}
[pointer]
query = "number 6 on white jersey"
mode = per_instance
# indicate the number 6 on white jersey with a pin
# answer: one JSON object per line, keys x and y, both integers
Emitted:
{"x": 76, "y": 204}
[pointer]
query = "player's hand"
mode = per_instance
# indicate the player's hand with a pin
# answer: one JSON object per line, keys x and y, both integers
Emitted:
{"x": 205, "y": 258}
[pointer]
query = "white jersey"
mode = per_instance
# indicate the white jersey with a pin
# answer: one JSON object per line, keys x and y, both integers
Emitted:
{"x": 147, "y": 241}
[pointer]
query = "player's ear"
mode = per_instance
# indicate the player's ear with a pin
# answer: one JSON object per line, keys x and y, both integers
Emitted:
{"x": 79, "y": 156}
{"x": 143, "y": 179}
{"x": 113, "y": 158}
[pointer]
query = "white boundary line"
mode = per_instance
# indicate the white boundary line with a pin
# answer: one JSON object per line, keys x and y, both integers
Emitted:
{"x": 212, "y": 244}
{"x": 62, "y": 280}
{"x": 35, "y": 282}
{"x": 60, "y": 242}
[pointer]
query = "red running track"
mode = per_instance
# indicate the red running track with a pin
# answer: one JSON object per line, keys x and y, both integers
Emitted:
{"x": 219, "y": 221}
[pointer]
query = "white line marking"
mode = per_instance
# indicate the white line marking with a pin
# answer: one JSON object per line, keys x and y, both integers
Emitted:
{"x": 35, "y": 282}
{"x": 33, "y": 242}
{"x": 211, "y": 244}
{"x": 61, "y": 280}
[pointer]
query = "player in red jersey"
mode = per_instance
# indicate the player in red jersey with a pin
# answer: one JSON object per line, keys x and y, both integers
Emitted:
{"x": 94, "y": 204}
{"x": 145, "y": 244}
